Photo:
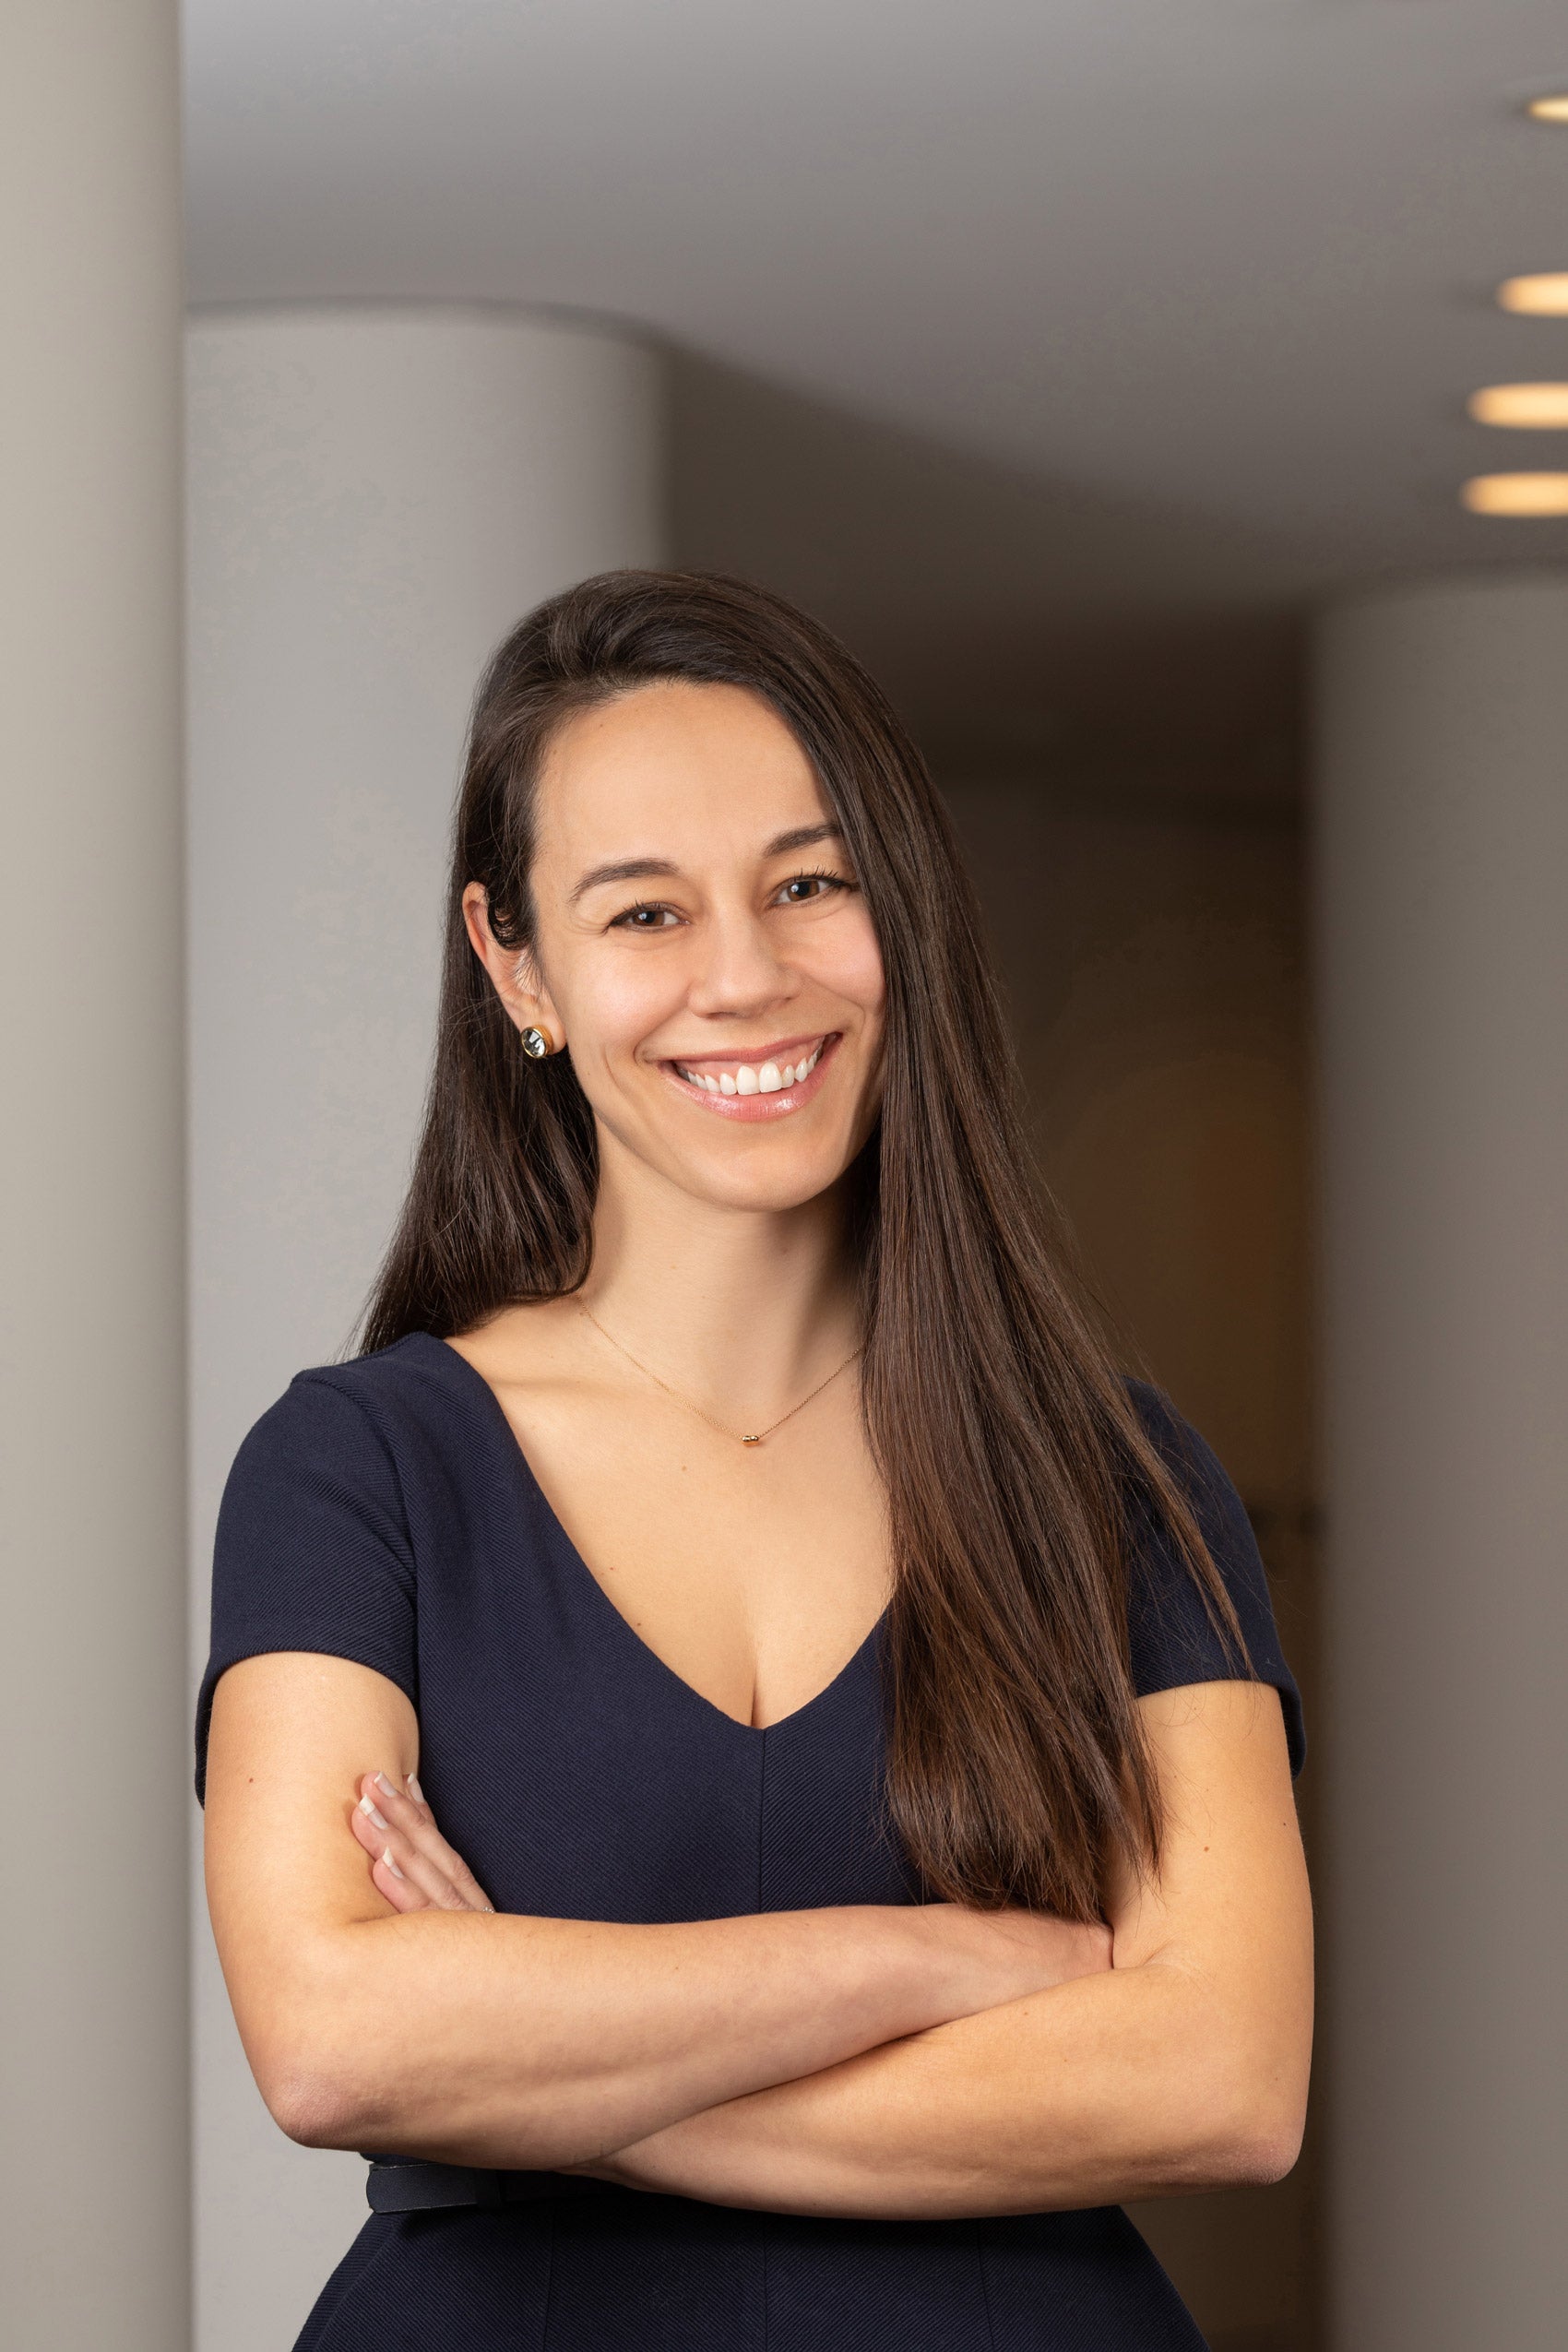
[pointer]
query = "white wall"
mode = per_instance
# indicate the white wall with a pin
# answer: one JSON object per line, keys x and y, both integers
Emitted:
{"x": 376, "y": 496}
{"x": 1442, "y": 936}
{"x": 93, "y": 2171}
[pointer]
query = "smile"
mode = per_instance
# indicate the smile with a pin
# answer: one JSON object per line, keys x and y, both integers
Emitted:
{"x": 769, "y": 1084}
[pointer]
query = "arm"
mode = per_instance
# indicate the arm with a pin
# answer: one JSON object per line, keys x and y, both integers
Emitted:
{"x": 469, "y": 2036}
{"x": 1182, "y": 2068}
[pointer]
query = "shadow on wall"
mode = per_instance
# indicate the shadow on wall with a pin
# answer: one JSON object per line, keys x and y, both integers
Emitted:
{"x": 1110, "y": 699}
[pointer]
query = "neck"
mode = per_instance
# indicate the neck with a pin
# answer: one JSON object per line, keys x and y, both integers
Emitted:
{"x": 736, "y": 1307}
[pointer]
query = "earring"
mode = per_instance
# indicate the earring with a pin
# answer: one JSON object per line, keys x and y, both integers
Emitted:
{"x": 537, "y": 1043}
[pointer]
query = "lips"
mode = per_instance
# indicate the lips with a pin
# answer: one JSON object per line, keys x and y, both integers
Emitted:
{"x": 775, "y": 1073}
{"x": 781, "y": 1049}
{"x": 768, "y": 1082}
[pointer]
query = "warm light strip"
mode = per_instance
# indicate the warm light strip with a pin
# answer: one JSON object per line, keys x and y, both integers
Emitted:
{"x": 1516, "y": 494}
{"x": 1542, "y": 297}
{"x": 1553, "y": 107}
{"x": 1536, "y": 406}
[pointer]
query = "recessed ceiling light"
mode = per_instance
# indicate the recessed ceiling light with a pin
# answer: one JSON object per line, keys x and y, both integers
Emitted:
{"x": 1551, "y": 107}
{"x": 1516, "y": 494}
{"x": 1537, "y": 405}
{"x": 1544, "y": 297}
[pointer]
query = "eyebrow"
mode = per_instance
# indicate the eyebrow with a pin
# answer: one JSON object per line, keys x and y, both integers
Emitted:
{"x": 800, "y": 836}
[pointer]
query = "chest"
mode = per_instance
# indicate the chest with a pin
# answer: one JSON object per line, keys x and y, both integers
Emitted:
{"x": 582, "y": 1776}
{"x": 752, "y": 1572}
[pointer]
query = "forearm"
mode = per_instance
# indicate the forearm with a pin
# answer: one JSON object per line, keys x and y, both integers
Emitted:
{"x": 1119, "y": 2086}
{"x": 524, "y": 2042}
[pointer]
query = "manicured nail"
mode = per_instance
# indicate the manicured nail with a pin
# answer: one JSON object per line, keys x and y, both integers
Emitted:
{"x": 386, "y": 1858}
{"x": 415, "y": 1791}
{"x": 372, "y": 1813}
{"x": 385, "y": 1786}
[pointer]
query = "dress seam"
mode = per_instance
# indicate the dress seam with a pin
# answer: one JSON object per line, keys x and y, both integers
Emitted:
{"x": 985, "y": 2284}
{"x": 761, "y": 1818}
{"x": 761, "y": 1809}
{"x": 548, "y": 2286}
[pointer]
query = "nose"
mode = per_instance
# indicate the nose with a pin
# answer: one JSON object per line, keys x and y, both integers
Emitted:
{"x": 737, "y": 972}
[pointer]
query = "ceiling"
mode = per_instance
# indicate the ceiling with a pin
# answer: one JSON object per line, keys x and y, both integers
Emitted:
{"x": 1189, "y": 294}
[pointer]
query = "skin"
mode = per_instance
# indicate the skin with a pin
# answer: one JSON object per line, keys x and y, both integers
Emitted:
{"x": 855, "y": 2061}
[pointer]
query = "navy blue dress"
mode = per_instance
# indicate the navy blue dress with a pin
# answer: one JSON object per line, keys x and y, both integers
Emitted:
{"x": 381, "y": 1511}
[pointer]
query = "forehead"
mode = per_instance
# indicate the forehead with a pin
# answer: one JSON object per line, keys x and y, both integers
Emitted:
{"x": 674, "y": 769}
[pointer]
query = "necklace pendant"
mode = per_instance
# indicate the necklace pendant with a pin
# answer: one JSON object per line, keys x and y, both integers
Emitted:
{"x": 751, "y": 1441}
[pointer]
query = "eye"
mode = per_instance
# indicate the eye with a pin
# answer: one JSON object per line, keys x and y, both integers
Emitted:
{"x": 802, "y": 889}
{"x": 646, "y": 915}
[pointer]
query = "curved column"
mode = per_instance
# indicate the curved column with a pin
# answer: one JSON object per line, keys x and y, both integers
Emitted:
{"x": 376, "y": 496}
{"x": 1442, "y": 911}
{"x": 93, "y": 2080}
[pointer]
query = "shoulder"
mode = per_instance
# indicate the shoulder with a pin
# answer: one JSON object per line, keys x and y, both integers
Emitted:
{"x": 348, "y": 1442}
{"x": 313, "y": 1549}
{"x": 1174, "y": 1635}
{"x": 326, "y": 1446}
{"x": 363, "y": 1415}
{"x": 1196, "y": 1468}
{"x": 375, "y": 1387}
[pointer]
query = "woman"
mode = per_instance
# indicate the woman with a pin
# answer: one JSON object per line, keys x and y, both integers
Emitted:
{"x": 735, "y": 1560}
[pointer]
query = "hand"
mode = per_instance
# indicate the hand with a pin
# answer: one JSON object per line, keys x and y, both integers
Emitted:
{"x": 411, "y": 1864}
{"x": 1005, "y": 1955}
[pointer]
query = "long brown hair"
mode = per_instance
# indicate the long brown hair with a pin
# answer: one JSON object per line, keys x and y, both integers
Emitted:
{"x": 1013, "y": 1461}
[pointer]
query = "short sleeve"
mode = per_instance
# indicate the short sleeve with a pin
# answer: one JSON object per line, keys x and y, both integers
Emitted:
{"x": 312, "y": 1549}
{"x": 1174, "y": 1639}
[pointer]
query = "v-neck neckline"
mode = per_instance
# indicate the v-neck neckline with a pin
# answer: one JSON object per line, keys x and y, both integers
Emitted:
{"x": 468, "y": 1374}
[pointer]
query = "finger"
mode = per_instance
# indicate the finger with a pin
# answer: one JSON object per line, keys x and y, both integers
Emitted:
{"x": 413, "y": 1816}
{"x": 416, "y": 1821}
{"x": 379, "y": 1838}
{"x": 400, "y": 1892}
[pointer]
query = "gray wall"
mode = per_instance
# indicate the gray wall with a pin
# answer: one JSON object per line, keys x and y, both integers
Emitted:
{"x": 93, "y": 2196}
{"x": 1443, "y": 959}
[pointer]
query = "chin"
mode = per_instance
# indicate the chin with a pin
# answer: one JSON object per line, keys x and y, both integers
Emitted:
{"x": 766, "y": 1191}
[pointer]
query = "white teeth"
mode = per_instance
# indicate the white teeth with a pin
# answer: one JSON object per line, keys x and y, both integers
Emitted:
{"x": 746, "y": 1078}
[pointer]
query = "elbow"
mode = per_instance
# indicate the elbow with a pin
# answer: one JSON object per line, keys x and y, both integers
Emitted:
{"x": 315, "y": 2105}
{"x": 1248, "y": 2133}
{"x": 320, "y": 2085}
{"x": 1261, "y": 2151}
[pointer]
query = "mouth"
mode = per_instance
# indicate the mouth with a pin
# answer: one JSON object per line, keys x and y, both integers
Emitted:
{"x": 767, "y": 1084}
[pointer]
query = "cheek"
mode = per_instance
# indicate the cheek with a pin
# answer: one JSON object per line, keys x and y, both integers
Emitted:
{"x": 850, "y": 965}
{"x": 610, "y": 1004}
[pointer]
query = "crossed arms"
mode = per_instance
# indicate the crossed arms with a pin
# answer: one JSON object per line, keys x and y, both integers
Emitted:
{"x": 889, "y": 2062}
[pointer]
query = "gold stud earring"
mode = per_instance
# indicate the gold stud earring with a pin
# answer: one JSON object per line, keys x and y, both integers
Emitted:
{"x": 537, "y": 1043}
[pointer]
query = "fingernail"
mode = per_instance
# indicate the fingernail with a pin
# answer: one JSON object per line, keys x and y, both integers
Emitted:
{"x": 386, "y": 1858}
{"x": 415, "y": 1791}
{"x": 385, "y": 1786}
{"x": 372, "y": 1813}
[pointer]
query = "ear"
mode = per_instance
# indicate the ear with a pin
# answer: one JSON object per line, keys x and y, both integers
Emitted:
{"x": 513, "y": 972}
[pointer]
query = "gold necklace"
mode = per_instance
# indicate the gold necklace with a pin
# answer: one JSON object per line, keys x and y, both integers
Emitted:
{"x": 752, "y": 1439}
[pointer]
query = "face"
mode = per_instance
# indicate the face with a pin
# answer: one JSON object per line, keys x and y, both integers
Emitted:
{"x": 703, "y": 947}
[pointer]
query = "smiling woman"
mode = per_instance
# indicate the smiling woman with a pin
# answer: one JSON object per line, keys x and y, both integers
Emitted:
{"x": 852, "y": 1845}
